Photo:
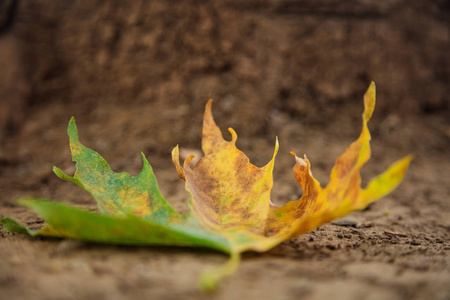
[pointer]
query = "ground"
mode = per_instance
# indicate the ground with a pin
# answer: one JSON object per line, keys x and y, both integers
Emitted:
{"x": 137, "y": 79}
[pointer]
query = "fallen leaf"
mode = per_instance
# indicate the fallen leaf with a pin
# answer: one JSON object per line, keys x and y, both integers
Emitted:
{"x": 230, "y": 207}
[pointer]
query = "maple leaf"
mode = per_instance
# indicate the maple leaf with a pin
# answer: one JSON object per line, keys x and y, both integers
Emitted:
{"x": 230, "y": 207}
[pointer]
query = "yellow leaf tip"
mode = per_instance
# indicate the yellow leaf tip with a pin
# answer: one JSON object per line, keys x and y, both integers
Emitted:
{"x": 209, "y": 105}
{"x": 176, "y": 162}
{"x": 188, "y": 160}
{"x": 208, "y": 117}
{"x": 233, "y": 135}
{"x": 369, "y": 101}
{"x": 407, "y": 159}
{"x": 175, "y": 152}
{"x": 275, "y": 152}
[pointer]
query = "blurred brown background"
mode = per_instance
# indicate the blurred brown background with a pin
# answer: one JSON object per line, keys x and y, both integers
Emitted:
{"x": 158, "y": 62}
{"x": 137, "y": 74}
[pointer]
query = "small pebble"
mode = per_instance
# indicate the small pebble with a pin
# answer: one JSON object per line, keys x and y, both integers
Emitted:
{"x": 346, "y": 223}
{"x": 331, "y": 247}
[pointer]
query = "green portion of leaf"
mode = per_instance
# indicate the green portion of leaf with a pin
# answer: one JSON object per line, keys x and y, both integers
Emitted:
{"x": 116, "y": 193}
{"x": 70, "y": 222}
{"x": 13, "y": 226}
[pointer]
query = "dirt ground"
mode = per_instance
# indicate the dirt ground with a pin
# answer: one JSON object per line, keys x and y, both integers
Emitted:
{"x": 139, "y": 81}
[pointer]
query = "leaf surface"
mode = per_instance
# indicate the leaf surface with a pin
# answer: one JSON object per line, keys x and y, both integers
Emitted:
{"x": 232, "y": 197}
{"x": 116, "y": 193}
{"x": 229, "y": 194}
{"x": 343, "y": 193}
{"x": 71, "y": 222}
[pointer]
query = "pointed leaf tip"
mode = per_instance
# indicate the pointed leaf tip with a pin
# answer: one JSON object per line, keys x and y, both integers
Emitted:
{"x": 58, "y": 172}
{"x": 188, "y": 161}
{"x": 145, "y": 164}
{"x": 72, "y": 130}
{"x": 369, "y": 101}
{"x": 176, "y": 162}
{"x": 387, "y": 181}
{"x": 271, "y": 163}
{"x": 277, "y": 147}
{"x": 208, "y": 106}
{"x": 233, "y": 135}
{"x": 12, "y": 225}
